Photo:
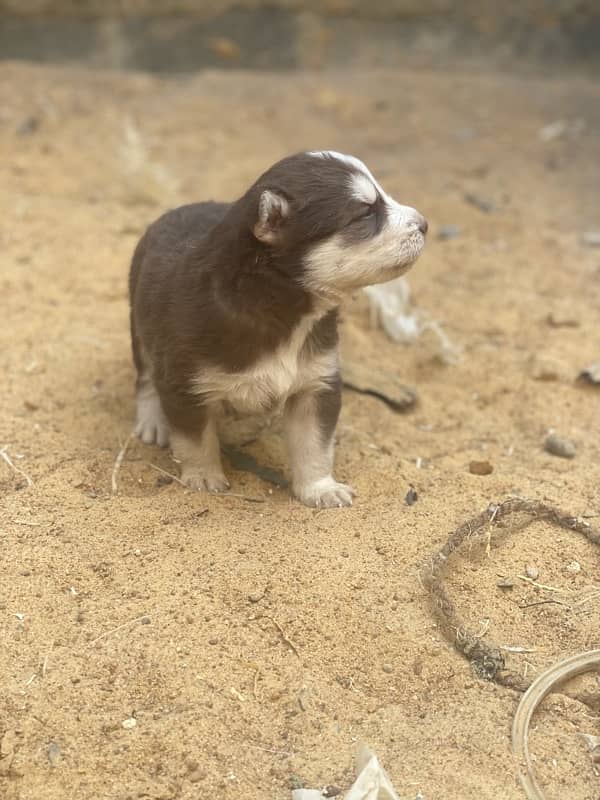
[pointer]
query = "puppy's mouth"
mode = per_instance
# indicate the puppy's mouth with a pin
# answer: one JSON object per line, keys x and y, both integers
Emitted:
{"x": 409, "y": 251}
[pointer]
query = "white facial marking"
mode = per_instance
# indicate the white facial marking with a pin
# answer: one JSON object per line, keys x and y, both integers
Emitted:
{"x": 334, "y": 264}
{"x": 351, "y": 161}
{"x": 362, "y": 188}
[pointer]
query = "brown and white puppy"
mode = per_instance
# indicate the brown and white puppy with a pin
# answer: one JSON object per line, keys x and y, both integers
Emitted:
{"x": 235, "y": 304}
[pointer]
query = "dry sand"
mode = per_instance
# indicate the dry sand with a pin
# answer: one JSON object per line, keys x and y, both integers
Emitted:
{"x": 257, "y": 643}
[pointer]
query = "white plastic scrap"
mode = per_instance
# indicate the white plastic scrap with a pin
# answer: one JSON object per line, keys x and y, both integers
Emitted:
{"x": 392, "y": 309}
{"x": 372, "y": 782}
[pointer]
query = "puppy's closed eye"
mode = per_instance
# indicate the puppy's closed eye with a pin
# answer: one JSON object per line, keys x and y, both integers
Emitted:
{"x": 366, "y": 210}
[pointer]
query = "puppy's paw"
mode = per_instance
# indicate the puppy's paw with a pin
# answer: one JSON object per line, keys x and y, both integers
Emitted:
{"x": 204, "y": 480}
{"x": 325, "y": 493}
{"x": 152, "y": 431}
{"x": 151, "y": 424}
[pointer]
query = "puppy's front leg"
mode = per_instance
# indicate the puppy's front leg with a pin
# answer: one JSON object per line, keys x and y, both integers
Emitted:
{"x": 310, "y": 420}
{"x": 195, "y": 442}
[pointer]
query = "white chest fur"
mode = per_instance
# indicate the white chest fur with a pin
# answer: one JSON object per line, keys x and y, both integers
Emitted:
{"x": 272, "y": 379}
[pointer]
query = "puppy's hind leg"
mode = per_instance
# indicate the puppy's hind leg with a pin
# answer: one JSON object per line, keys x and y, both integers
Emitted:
{"x": 151, "y": 423}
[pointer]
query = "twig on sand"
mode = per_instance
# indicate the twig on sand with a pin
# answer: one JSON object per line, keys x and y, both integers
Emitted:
{"x": 270, "y": 750}
{"x": 543, "y": 603}
{"x": 283, "y": 636}
{"x": 45, "y": 662}
{"x": 255, "y": 684}
{"x": 118, "y": 462}
{"x": 119, "y": 628}
{"x": 539, "y": 585}
{"x": 168, "y": 474}
{"x": 7, "y": 460}
{"x": 516, "y": 648}
{"x": 248, "y": 498}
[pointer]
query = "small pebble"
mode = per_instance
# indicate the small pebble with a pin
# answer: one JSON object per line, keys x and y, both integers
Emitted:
{"x": 546, "y": 368}
{"x": 130, "y": 723}
{"x": 213, "y": 641}
{"x": 331, "y": 791}
{"x": 411, "y": 496}
{"x": 532, "y": 572}
{"x": 482, "y": 203}
{"x": 197, "y": 775}
{"x": 556, "y": 319}
{"x": 480, "y": 468}
{"x": 449, "y": 232}
{"x": 145, "y": 620}
{"x": 164, "y": 480}
{"x": 28, "y": 126}
{"x": 505, "y": 583}
{"x": 554, "y": 130}
{"x": 225, "y": 48}
{"x": 256, "y": 597}
{"x": 591, "y": 374}
{"x": 574, "y": 567}
{"x": 557, "y": 446}
{"x": 387, "y": 668}
{"x": 304, "y": 699}
{"x": 591, "y": 238}
{"x": 53, "y": 753}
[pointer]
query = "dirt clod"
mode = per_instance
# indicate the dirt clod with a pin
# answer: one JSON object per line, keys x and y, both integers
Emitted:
{"x": 411, "y": 496}
{"x": 532, "y": 572}
{"x": 480, "y": 468}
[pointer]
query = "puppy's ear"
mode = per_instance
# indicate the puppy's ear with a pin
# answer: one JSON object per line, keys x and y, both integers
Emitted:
{"x": 273, "y": 210}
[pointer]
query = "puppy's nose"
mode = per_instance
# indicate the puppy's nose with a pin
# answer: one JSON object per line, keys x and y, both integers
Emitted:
{"x": 422, "y": 224}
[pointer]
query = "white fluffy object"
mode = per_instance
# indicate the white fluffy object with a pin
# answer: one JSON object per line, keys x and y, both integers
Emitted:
{"x": 392, "y": 309}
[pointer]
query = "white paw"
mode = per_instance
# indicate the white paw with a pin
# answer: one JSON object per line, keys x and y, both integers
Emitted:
{"x": 151, "y": 425}
{"x": 204, "y": 480}
{"x": 325, "y": 493}
{"x": 151, "y": 431}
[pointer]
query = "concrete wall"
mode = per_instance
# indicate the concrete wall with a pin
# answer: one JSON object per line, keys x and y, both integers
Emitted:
{"x": 540, "y": 12}
{"x": 176, "y": 35}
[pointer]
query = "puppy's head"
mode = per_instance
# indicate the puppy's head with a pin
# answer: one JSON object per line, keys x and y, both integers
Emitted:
{"x": 325, "y": 213}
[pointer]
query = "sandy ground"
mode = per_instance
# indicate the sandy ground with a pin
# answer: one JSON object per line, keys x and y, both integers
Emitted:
{"x": 256, "y": 644}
